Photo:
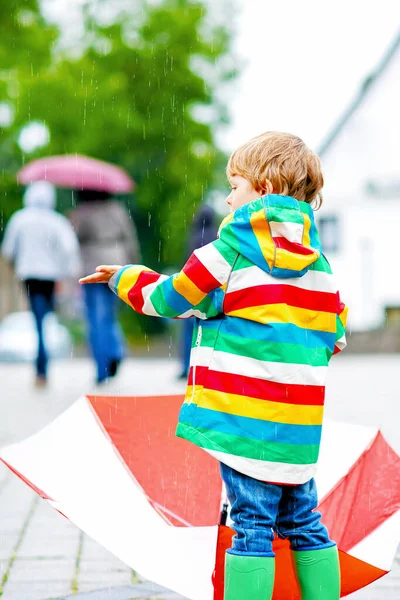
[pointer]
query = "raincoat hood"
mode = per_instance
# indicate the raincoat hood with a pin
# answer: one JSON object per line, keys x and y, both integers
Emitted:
{"x": 40, "y": 194}
{"x": 276, "y": 233}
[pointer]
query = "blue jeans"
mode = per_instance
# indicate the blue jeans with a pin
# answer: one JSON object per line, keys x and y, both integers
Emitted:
{"x": 41, "y": 300}
{"x": 105, "y": 335}
{"x": 259, "y": 510}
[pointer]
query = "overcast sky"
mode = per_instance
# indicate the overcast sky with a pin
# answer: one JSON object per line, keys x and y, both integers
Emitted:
{"x": 303, "y": 62}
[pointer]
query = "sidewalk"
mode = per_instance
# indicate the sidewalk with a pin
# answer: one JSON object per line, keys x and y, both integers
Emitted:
{"x": 44, "y": 557}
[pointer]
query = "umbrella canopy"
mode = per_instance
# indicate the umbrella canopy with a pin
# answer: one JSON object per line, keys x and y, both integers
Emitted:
{"x": 113, "y": 466}
{"x": 77, "y": 172}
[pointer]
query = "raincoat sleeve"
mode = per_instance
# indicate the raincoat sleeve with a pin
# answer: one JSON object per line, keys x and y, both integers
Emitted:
{"x": 197, "y": 290}
{"x": 341, "y": 321}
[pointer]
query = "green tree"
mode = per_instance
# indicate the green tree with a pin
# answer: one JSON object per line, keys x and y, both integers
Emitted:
{"x": 25, "y": 37}
{"x": 25, "y": 51}
{"x": 139, "y": 92}
{"x": 131, "y": 98}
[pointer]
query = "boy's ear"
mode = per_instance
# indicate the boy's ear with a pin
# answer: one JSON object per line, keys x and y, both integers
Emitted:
{"x": 267, "y": 187}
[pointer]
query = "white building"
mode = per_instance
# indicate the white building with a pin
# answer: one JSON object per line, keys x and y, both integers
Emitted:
{"x": 360, "y": 219}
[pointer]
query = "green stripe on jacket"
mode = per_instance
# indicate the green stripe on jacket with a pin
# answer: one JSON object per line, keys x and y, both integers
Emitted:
{"x": 249, "y": 448}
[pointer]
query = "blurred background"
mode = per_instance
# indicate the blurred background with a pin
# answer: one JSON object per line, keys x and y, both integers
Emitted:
{"x": 167, "y": 89}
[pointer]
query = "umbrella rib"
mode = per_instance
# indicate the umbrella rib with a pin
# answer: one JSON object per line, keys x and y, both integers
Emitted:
{"x": 170, "y": 513}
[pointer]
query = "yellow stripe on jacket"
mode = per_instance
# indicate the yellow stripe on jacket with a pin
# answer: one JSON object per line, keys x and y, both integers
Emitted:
{"x": 267, "y": 410}
{"x": 282, "y": 313}
{"x": 189, "y": 290}
{"x": 128, "y": 279}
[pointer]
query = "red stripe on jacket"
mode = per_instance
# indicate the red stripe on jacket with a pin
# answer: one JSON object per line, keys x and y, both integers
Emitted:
{"x": 135, "y": 295}
{"x": 200, "y": 275}
{"x": 280, "y": 294}
{"x": 253, "y": 387}
{"x": 285, "y": 244}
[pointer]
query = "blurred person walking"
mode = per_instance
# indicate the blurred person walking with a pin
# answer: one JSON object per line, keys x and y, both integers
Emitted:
{"x": 104, "y": 228}
{"x": 203, "y": 231}
{"x": 43, "y": 249}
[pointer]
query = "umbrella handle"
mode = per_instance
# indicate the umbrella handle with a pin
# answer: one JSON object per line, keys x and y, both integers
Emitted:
{"x": 224, "y": 514}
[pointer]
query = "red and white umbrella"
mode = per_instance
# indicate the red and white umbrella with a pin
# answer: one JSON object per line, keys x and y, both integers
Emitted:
{"x": 77, "y": 172}
{"x": 113, "y": 466}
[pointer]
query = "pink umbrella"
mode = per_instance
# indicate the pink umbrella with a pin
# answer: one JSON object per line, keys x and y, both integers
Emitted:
{"x": 77, "y": 172}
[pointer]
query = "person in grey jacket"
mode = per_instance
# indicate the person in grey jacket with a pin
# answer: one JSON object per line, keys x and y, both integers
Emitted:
{"x": 104, "y": 229}
{"x": 43, "y": 249}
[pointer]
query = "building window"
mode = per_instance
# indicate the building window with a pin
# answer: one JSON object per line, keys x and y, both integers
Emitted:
{"x": 329, "y": 233}
{"x": 392, "y": 316}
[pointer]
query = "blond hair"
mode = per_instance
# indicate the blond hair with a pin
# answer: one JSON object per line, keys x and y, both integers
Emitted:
{"x": 284, "y": 159}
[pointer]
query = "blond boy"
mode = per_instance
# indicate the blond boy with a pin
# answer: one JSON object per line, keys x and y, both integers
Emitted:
{"x": 268, "y": 320}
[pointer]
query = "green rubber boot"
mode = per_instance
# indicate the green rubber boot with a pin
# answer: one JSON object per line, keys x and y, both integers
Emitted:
{"x": 249, "y": 577}
{"x": 318, "y": 573}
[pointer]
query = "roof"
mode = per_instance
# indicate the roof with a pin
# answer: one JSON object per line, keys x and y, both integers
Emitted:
{"x": 365, "y": 87}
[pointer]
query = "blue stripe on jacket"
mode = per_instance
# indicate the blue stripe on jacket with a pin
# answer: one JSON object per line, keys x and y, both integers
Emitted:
{"x": 278, "y": 332}
{"x": 177, "y": 303}
{"x": 247, "y": 427}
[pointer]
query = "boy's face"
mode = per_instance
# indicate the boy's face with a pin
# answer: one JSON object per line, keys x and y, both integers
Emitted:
{"x": 242, "y": 192}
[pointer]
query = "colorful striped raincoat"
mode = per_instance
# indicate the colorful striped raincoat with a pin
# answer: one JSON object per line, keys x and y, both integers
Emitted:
{"x": 268, "y": 320}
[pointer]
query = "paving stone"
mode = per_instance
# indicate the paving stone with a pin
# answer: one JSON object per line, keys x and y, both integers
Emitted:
{"x": 3, "y": 567}
{"x": 98, "y": 579}
{"x": 45, "y": 514}
{"x": 41, "y": 570}
{"x": 36, "y": 591}
{"x": 154, "y": 590}
{"x": 44, "y": 545}
{"x": 8, "y": 542}
{"x": 94, "y": 552}
{"x": 99, "y": 568}
{"x": 5, "y": 475}
{"x": 386, "y": 588}
{"x": 140, "y": 592}
{"x": 49, "y": 535}
{"x": 14, "y": 503}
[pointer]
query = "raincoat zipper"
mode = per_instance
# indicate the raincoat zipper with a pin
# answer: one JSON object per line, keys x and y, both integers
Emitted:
{"x": 197, "y": 344}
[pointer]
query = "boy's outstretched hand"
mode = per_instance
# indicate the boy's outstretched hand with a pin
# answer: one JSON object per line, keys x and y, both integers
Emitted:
{"x": 103, "y": 274}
